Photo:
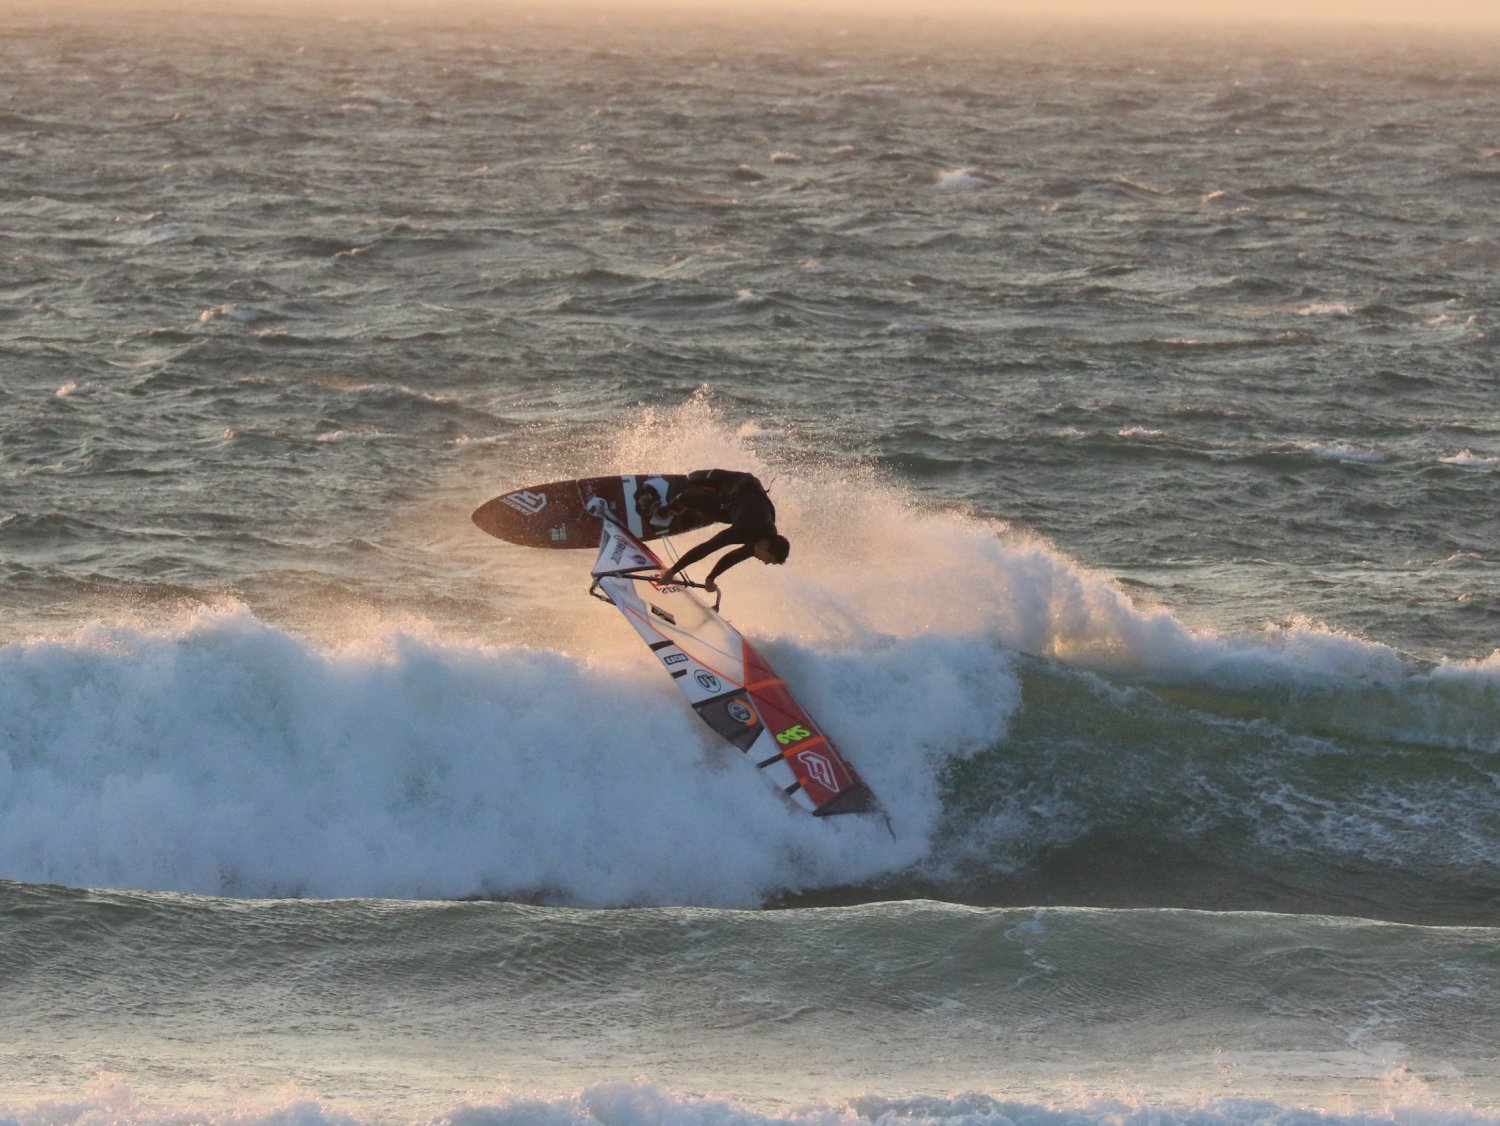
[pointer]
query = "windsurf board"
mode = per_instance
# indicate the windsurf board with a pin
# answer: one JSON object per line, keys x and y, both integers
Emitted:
{"x": 557, "y": 514}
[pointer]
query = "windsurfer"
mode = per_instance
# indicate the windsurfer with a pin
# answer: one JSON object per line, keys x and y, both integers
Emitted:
{"x": 728, "y": 497}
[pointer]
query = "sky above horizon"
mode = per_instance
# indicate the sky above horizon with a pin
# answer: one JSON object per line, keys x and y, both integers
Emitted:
{"x": 1430, "y": 13}
{"x": 1434, "y": 14}
{"x": 1347, "y": 11}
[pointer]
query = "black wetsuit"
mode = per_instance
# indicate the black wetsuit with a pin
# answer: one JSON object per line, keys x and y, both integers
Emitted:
{"x": 737, "y": 499}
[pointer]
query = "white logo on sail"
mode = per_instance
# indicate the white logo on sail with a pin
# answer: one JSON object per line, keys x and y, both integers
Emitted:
{"x": 526, "y": 502}
{"x": 819, "y": 768}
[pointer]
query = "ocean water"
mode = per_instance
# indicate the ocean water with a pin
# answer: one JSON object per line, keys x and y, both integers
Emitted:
{"x": 1128, "y": 395}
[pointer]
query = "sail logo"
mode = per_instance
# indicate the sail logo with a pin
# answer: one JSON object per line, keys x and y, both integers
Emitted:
{"x": 741, "y": 711}
{"x": 526, "y": 502}
{"x": 819, "y": 769}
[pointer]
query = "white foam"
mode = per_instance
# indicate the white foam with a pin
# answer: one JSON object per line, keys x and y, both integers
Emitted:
{"x": 1469, "y": 459}
{"x": 364, "y": 435}
{"x": 231, "y": 312}
{"x": 964, "y": 179}
{"x": 73, "y": 389}
{"x": 222, "y": 755}
{"x": 640, "y": 1103}
{"x": 1342, "y": 451}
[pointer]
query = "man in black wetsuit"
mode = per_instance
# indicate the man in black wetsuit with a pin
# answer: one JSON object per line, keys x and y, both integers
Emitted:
{"x": 736, "y": 499}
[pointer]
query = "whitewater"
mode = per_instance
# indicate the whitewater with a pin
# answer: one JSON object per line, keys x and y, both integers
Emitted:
{"x": 218, "y": 754}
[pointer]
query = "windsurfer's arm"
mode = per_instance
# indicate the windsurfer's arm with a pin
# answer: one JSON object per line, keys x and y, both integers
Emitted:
{"x": 727, "y": 560}
{"x": 703, "y": 550}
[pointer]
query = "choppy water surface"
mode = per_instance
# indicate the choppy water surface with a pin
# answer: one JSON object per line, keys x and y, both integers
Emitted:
{"x": 1128, "y": 398}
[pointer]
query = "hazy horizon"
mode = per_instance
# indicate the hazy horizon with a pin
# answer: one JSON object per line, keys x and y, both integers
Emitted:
{"x": 1437, "y": 15}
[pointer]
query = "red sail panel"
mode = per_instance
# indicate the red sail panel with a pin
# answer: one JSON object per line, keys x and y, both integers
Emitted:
{"x": 823, "y": 774}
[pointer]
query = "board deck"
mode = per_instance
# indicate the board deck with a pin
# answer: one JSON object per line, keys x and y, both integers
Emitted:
{"x": 556, "y": 514}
